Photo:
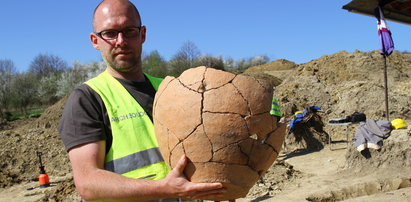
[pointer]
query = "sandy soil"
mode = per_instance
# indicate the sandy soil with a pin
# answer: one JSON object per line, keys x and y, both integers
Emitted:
{"x": 340, "y": 84}
{"x": 326, "y": 175}
{"x": 300, "y": 175}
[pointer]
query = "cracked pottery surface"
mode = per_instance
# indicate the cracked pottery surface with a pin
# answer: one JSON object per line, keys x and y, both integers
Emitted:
{"x": 221, "y": 122}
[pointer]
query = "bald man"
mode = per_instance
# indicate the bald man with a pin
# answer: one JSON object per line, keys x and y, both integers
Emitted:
{"x": 107, "y": 126}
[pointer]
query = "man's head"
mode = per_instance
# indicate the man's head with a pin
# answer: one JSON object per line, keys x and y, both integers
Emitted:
{"x": 119, "y": 35}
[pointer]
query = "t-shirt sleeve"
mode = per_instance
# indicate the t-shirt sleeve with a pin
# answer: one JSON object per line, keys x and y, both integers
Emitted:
{"x": 82, "y": 119}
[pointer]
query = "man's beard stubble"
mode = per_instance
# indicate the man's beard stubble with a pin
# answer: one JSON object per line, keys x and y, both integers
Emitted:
{"x": 120, "y": 68}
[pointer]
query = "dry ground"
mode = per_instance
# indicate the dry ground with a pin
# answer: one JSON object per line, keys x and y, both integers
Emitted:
{"x": 340, "y": 84}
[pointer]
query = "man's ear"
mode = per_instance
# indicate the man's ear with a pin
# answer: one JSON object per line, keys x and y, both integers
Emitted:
{"x": 143, "y": 34}
{"x": 94, "y": 39}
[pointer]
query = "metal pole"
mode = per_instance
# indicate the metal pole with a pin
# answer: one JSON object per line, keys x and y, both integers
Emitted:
{"x": 386, "y": 88}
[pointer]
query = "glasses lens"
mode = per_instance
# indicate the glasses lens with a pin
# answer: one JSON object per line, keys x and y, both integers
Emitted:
{"x": 109, "y": 34}
{"x": 131, "y": 32}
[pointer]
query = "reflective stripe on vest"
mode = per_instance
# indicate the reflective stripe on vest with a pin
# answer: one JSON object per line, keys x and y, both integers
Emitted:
{"x": 135, "y": 161}
{"x": 275, "y": 108}
{"x": 134, "y": 151}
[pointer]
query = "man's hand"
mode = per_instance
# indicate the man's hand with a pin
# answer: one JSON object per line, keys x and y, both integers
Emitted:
{"x": 177, "y": 184}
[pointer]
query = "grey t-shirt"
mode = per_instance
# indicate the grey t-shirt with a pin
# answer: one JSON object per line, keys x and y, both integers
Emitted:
{"x": 85, "y": 117}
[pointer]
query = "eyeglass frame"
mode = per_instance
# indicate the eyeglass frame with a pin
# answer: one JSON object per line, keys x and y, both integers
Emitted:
{"x": 119, "y": 31}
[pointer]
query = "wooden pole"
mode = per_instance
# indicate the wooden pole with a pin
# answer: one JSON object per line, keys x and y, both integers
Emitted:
{"x": 386, "y": 88}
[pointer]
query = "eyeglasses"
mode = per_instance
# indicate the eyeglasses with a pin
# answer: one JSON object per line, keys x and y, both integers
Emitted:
{"x": 112, "y": 34}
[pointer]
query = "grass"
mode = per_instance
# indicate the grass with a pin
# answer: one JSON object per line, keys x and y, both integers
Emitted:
{"x": 16, "y": 115}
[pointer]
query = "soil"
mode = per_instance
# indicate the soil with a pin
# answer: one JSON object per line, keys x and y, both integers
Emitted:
{"x": 341, "y": 84}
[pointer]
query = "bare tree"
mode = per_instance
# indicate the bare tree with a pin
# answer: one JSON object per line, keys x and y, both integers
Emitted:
{"x": 184, "y": 58}
{"x": 43, "y": 65}
{"x": 7, "y": 71}
{"x": 47, "y": 69}
{"x": 189, "y": 51}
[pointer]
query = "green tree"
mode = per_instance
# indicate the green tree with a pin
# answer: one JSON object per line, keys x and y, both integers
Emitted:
{"x": 77, "y": 75}
{"x": 155, "y": 65}
{"x": 47, "y": 88}
{"x": 243, "y": 64}
{"x": 48, "y": 70}
{"x": 94, "y": 69}
{"x": 210, "y": 61}
{"x": 258, "y": 60}
{"x": 24, "y": 92}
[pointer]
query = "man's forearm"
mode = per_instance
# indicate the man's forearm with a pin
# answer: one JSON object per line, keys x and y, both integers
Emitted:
{"x": 95, "y": 183}
{"x": 107, "y": 186}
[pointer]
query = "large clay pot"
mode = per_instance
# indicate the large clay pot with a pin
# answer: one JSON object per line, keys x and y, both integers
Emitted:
{"x": 221, "y": 122}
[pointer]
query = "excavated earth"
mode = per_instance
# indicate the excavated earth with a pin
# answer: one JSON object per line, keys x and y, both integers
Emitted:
{"x": 341, "y": 84}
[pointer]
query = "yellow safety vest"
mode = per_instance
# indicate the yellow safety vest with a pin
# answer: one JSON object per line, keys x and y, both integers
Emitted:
{"x": 275, "y": 108}
{"x": 134, "y": 151}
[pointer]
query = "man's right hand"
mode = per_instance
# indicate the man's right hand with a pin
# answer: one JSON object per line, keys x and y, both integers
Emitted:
{"x": 178, "y": 186}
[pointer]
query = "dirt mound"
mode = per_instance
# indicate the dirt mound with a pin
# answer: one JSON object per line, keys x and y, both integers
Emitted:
{"x": 375, "y": 174}
{"x": 21, "y": 140}
{"x": 344, "y": 83}
{"x": 274, "y": 81}
{"x": 63, "y": 191}
{"x": 364, "y": 189}
{"x": 395, "y": 152}
{"x": 274, "y": 180}
{"x": 275, "y": 71}
{"x": 363, "y": 66}
{"x": 276, "y": 65}
{"x": 51, "y": 116}
{"x": 340, "y": 84}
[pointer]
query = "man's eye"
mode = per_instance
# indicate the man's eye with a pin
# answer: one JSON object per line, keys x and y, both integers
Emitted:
{"x": 109, "y": 34}
{"x": 131, "y": 31}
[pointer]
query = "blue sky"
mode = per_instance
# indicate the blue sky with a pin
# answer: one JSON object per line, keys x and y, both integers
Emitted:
{"x": 299, "y": 31}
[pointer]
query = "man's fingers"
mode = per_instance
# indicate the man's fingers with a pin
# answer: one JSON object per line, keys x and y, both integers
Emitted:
{"x": 191, "y": 190}
{"x": 210, "y": 194}
{"x": 181, "y": 164}
{"x": 215, "y": 193}
{"x": 207, "y": 190}
{"x": 206, "y": 186}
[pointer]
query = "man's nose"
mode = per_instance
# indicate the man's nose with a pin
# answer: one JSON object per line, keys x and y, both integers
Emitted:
{"x": 121, "y": 39}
